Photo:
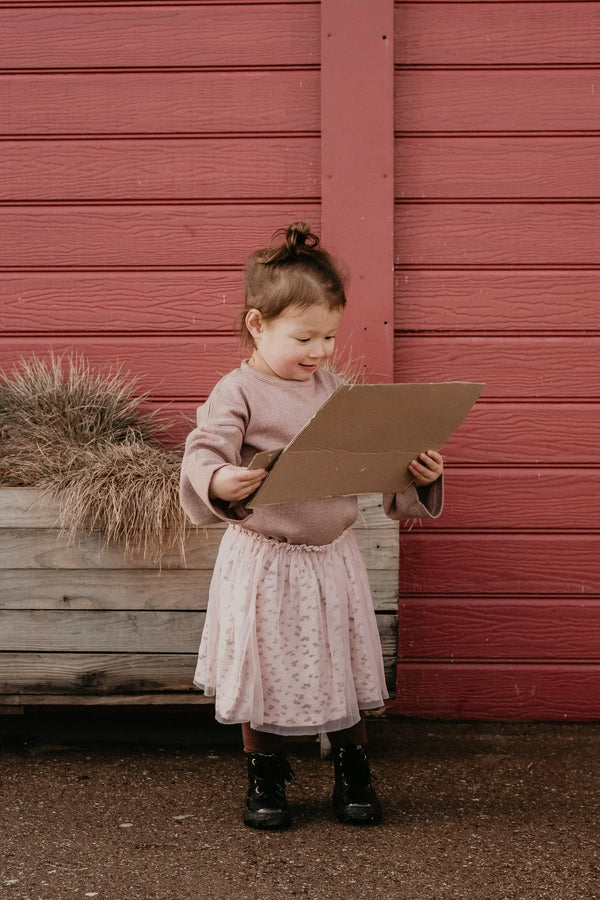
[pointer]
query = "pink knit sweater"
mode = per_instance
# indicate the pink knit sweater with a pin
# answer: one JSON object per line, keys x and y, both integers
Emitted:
{"x": 248, "y": 412}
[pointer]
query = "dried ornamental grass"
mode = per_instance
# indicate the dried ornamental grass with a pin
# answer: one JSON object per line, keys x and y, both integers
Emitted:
{"x": 83, "y": 436}
{"x": 129, "y": 492}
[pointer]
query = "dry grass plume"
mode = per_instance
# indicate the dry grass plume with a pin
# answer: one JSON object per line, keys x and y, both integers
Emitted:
{"x": 83, "y": 436}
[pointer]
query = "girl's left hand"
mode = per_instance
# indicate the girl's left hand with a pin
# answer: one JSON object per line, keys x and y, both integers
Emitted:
{"x": 427, "y": 468}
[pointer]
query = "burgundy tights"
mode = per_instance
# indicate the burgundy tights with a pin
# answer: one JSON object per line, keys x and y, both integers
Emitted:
{"x": 265, "y": 742}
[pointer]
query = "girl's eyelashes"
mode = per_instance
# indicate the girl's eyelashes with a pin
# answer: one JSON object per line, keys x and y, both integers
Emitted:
{"x": 330, "y": 337}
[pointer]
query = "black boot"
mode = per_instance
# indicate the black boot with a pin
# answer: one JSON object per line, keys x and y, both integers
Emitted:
{"x": 354, "y": 799}
{"x": 266, "y": 805}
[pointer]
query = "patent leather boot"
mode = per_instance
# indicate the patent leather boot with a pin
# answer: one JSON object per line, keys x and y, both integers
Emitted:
{"x": 266, "y": 803}
{"x": 354, "y": 798}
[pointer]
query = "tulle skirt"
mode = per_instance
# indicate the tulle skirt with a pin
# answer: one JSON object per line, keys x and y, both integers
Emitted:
{"x": 290, "y": 642}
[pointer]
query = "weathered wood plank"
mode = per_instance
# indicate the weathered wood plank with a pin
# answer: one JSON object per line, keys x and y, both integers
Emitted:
{"x": 556, "y": 628}
{"x": 192, "y": 169}
{"x": 39, "y": 548}
{"x": 29, "y": 508}
{"x": 490, "y": 234}
{"x": 500, "y": 34}
{"x": 495, "y": 168}
{"x": 71, "y": 589}
{"x": 127, "y": 673}
{"x": 158, "y": 35}
{"x": 104, "y": 589}
{"x": 101, "y": 631}
{"x": 159, "y": 103}
{"x": 112, "y": 631}
{"x": 136, "y": 236}
{"x": 499, "y": 691}
{"x": 95, "y": 673}
{"x": 512, "y": 367}
{"x": 18, "y": 701}
{"x": 488, "y": 300}
{"x": 478, "y": 564}
{"x": 496, "y": 100}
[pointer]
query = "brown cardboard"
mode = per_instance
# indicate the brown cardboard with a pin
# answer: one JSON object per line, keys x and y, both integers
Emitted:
{"x": 362, "y": 440}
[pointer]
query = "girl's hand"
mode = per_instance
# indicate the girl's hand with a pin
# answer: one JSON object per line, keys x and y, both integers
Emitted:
{"x": 233, "y": 483}
{"x": 427, "y": 468}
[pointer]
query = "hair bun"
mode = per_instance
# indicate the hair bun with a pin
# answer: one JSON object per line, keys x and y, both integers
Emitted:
{"x": 299, "y": 237}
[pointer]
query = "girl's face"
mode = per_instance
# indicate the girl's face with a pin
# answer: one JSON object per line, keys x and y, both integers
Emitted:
{"x": 296, "y": 343}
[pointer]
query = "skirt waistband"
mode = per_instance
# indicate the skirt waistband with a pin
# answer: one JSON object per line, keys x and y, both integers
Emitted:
{"x": 256, "y": 537}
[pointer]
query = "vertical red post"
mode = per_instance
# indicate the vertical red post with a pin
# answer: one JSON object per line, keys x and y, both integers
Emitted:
{"x": 357, "y": 121}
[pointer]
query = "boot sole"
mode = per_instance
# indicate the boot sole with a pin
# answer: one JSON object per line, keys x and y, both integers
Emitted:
{"x": 359, "y": 817}
{"x": 267, "y": 821}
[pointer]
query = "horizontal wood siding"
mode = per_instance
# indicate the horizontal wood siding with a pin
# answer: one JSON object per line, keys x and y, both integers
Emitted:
{"x": 146, "y": 149}
{"x": 497, "y": 275}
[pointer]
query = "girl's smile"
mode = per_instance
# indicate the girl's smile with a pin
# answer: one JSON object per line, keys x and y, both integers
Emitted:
{"x": 294, "y": 344}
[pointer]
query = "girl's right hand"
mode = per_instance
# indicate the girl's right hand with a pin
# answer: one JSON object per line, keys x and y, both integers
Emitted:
{"x": 234, "y": 483}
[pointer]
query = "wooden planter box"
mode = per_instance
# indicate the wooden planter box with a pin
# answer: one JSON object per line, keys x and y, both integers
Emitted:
{"x": 83, "y": 624}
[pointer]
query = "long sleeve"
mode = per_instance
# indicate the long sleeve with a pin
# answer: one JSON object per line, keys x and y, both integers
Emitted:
{"x": 416, "y": 503}
{"x": 215, "y": 442}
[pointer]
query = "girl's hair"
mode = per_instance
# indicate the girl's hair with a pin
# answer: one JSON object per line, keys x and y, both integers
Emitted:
{"x": 297, "y": 272}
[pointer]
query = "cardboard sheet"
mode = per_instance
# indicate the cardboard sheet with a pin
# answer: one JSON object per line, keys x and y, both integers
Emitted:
{"x": 362, "y": 440}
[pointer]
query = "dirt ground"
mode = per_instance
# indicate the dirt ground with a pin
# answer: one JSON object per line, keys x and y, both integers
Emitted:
{"x": 137, "y": 806}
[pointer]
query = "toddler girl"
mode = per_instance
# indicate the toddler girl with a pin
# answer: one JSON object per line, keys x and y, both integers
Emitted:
{"x": 290, "y": 645}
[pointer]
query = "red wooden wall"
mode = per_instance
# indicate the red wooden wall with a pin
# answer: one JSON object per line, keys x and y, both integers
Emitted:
{"x": 145, "y": 148}
{"x": 497, "y": 260}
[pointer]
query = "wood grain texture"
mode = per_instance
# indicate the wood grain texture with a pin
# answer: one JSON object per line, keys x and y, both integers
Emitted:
{"x": 181, "y": 366}
{"x": 497, "y": 100}
{"x": 523, "y": 498}
{"x": 30, "y": 508}
{"x": 95, "y": 673}
{"x": 142, "y": 235}
{"x": 514, "y": 433}
{"x": 496, "y": 34}
{"x": 357, "y": 184}
{"x": 148, "y": 589}
{"x": 494, "y": 301}
{"x": 526, "y": 367}
{"x": 557, "y": 629}
{"x": 499, "y": 167}
{"x": 38, "y": 548}
{"x": 101, "y": 631}
{"x": 167, "y": 169}
{"x": 118, "y": 302}
{"x": 118, "y": 631}
{"x": 528, "y": 433}
{"x": 159, "y": 103}
{"x": 500, "y": 564}
{"x": 92, "y": 673}
{"x": 161, "y": 34}
{"x": 65, "y": 590}
{"x": 499, "y": 691}
{"x": 15, "y": 704}
{"x": 486, "y": 235}
{"x": 187, "y": 366}
{"x": 47, "y": 549}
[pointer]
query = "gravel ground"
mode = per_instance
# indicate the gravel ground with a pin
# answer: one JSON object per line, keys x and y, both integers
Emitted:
{"x": 148, "y": 807}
